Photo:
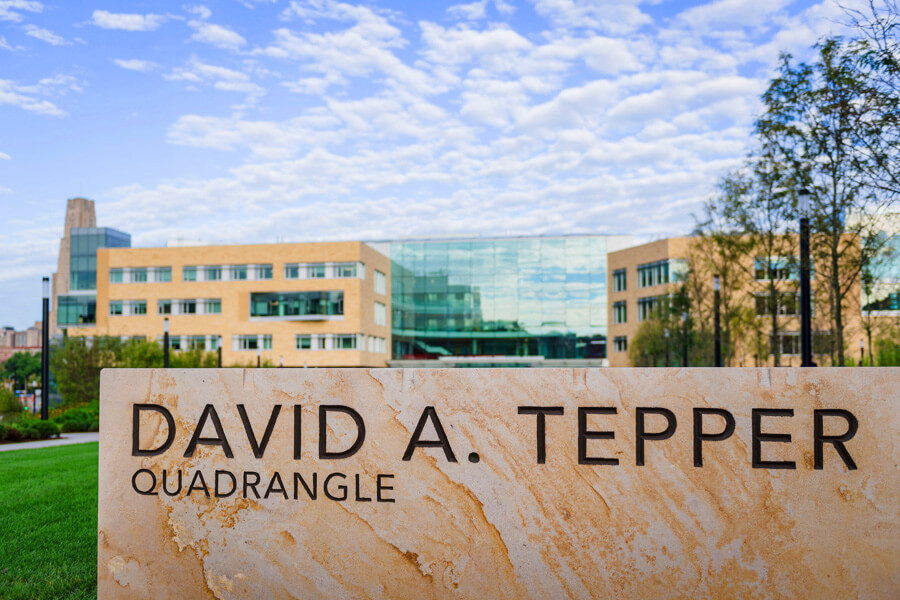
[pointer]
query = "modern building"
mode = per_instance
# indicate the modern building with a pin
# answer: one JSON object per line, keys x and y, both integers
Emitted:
{"x": 643, "y": 278}
{"x": 510, "y": 301}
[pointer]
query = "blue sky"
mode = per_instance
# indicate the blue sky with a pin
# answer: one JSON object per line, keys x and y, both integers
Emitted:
{"x": 262, "y": 121}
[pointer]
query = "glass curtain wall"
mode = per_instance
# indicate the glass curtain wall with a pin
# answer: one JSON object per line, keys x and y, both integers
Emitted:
{"x": 508, "y": 297}
{"x": 83, "y": 257}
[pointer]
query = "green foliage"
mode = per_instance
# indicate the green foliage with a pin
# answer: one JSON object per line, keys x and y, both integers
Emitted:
{"x": 9, "y": 404}
{"x": 35, "y": 429}
{"x": 48, "y": 550}
{"x": 3, "y": 430}
{"x": 887, "y": 352}
{"x": 193, "y": 359}
{"x": 79, "y": 419}
{"x": 13, "y": 435}
{"x": 23, "y": 367}
{"x": 141, "y": 354}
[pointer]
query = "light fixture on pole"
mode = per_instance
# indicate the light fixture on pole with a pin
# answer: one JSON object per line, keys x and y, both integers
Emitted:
{"x": 166, "y": 343}
{"x": 805, "y": 294}
{"x": 862, "y": 351}
{"x": 45, "y": 352}
{"x": 717, "y": 323}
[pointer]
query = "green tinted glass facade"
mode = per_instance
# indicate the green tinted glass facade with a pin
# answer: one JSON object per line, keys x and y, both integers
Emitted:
{"x": 297, "y": 304}
{"x": 76, "y": 310}
{"x": 508, "y": 296}
{"x": 83, "y": 256}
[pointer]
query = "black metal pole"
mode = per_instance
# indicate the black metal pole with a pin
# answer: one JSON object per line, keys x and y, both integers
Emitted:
{"x": 717, "y": 323}
{"x": 805, "y": 295}
{"x": 258, "y": 358}
{"x": 45, "y": 352}
{"x": 165, "y": 343}
{"x": 684, "y": 349}
{"x": 219, "y": 351}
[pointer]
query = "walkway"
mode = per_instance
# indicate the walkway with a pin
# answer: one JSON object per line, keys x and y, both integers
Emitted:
{"x": 65, "y": 440}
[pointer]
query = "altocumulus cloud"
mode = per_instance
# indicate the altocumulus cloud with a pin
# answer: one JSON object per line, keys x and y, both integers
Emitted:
{"x": 127, "y": 21}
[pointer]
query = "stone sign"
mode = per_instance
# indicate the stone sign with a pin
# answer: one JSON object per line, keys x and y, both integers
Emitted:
{"x": 499, "y": 483}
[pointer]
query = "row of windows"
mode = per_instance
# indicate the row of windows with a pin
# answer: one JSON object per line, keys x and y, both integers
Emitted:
{"x": 141, "y": 275}
{"x": 649, "y": 274}
{"x": 788, "y": 343}
{"x": 190, "y": 306}
{"x": 297, "y": 304}
{"x": 341, "y": 270}
{"x": 322, "y": 341}
{"x": 785, "y": 304}
{"x": 226, "y": 273}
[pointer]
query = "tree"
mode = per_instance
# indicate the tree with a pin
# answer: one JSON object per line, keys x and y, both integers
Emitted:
{"x": 76, "y": 366}
{"x": 814, "y": 115}
{"x": 877, "y": 53}
{"x": 23, "y": 367}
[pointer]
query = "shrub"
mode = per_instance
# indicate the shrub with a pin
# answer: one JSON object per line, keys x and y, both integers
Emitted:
{"x": 95, "y": 425}
{"x": 3, "y": 430}
{"x": 13, "y": 435}
{"x": 31, "y": 434}
{"x": 46, "y": 429}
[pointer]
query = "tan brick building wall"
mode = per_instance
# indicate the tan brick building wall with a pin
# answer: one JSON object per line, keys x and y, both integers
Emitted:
{"x": 359, "y": 300}
{"x": 630, "y": 259}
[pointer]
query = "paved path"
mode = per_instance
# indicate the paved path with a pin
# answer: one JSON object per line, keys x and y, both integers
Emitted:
{"x": 65, "y": 440}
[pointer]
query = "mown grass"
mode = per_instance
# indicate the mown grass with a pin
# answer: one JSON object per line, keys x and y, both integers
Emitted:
{"x": 48, "y": 523}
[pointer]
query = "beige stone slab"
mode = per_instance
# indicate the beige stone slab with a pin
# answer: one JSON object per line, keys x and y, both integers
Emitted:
{"x": 505, "y": 526}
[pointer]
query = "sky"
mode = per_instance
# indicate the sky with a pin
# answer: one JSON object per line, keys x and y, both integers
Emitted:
{"x": 259, "y": 121}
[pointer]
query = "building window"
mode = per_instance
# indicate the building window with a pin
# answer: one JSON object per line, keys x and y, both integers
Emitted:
{"x": 139, "y": 307}
{"x": 164, "y": 307}
{"x": 345, "y": 342}
{"x": 620, "y": 344}
{"x": 380, "y": 314}
{"x": 655, "y": 273}
{"x": 214, "y": 273}
{"x": 212, "y": 306}
{"x": 239, "y": 272}
{"x": 189, "y": 274}
{"x": 788, "y": 304}
{"x": 292, "y": 271}
{"x": 315, "y": 271}
{"x": 620, "y": 312}
{"x": 620, "y": 283}
{"x": 187, "y": 307}
{"x": 345, "y": 270}
{"x": 175, "y": 342}
{"x": 115, "y": 276}
{"x": 196, "y": 342}
{"x": 252, "y": 342}
{"x": 304, "y": 342}
{"x": 163, "y": 274}
{"x": 263, "y": 271}
{"x": 322, "y": 342}
{"x": 782, "y": 268}
{"x": 296, "y": 304}
{"x": 139, "y": 275}
{"x": 380, "y": 282}
{"x": 649, "y": 307}
{"x": 116, "y": 308}
{"x": 377, "y": 344}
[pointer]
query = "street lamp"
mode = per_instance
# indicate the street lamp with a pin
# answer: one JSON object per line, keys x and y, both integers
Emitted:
{"x": 166, "y": 343}
{"x": 717, "y": 323}
{"x": 45, "y": 352}
{"x": 862, "y": 351}
{"x": 805, "y": 295}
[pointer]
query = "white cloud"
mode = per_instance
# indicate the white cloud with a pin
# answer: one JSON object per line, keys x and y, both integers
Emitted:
{"x": 135, "y": 64}
{"x": 201, "y": 12}
{"x": 127, "y": 21}
{"x": 24, "y": 97}
{"x": 7, "y": 46}
{"x": 45, "y": 35}
{"x": 4, "y": 156}
{"x": 217, "y": 35}
{"x": 219, "y": 78}
{"x": 11, "y": 10}
{"x": 611, "y": 16}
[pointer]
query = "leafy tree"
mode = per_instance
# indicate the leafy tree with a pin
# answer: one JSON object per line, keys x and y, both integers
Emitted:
{"x": 814, "y": 115}
{"x": 141, "y": 354}
{"x": 76, "y": 366}
{"x": 9, "y": 404}
{"x": 23, "y": 367}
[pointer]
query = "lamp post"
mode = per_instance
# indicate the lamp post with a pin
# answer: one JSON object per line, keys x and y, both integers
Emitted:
{"x": 166, "y": 343}
{"x": 805, "y": 299}
{"x": 45, "y": 352}
{"x": 717, "y": 323}
{"x": 862, "y": 351}
{"x": 258, "y": 358}
{"x": 684, "y": 348}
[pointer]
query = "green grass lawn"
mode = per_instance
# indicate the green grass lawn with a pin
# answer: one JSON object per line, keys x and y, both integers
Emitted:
{"x": 48, "y": 523}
